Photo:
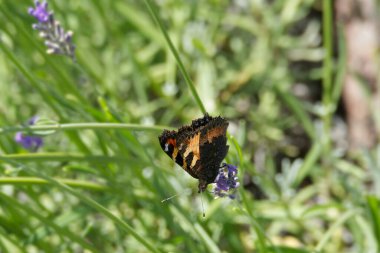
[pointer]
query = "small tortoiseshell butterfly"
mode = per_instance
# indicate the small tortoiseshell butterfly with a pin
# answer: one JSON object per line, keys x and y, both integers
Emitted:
{"x": 198, "y": 148}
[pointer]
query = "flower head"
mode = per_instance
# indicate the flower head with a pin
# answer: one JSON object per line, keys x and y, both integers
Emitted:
{"x": 56, "y": 39}
{"x": 226, "y": 181}
{"x": 40, "y": 12}
{"x": 30, "y": 142}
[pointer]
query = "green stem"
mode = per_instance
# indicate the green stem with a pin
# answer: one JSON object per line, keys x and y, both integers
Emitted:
{"x": 327, "y": 44}
{"x": 327, "y": 72}
{"x": 188, "y": 81}
{"x": 63, "y": 157}
{"x": 82, "y": 126}
{"x": 39, "y": 181}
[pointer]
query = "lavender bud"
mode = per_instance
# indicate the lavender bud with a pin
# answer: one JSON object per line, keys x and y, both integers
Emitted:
{"x": 56, "y": 39}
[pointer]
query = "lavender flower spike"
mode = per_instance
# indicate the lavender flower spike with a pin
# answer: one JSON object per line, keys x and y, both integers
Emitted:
{"x": 226, "y": 181}
{"x": 30, "y": 142}
{"x": 56, "y": 39}
{"x": 40, "y": 12}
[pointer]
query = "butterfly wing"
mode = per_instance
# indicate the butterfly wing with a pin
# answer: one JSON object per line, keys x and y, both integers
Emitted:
{"x": 204, "y": 148}
{"x": 198, "y": 148}
{"x": 213, "y": 149}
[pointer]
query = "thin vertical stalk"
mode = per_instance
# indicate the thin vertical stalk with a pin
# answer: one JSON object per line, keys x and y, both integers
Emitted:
{"x": 327, "y": 73}
{"x": 186, "y": 76}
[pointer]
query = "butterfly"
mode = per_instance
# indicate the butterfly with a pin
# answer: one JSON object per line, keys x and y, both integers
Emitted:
{"x": 198, "y": 148}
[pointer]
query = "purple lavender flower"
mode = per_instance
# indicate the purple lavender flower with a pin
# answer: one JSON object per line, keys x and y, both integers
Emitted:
{"x": 30, "y": 142}
{"x": 56, "y": 39}
{"x": 226, "y": 181}
{"x": 40, "y": 12}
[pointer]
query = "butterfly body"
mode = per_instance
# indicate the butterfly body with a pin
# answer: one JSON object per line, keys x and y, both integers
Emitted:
{"x": 198, "y": 148}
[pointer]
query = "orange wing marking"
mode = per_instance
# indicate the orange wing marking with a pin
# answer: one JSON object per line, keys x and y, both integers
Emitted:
{"x": 215, "y": 132}
{"x": 193, "y": 147}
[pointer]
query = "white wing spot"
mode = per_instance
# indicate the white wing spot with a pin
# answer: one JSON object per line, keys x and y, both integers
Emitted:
{"x": 166, "y": 147}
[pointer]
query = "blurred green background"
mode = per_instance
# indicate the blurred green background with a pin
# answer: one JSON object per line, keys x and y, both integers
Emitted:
{"x": 277, "y": 70}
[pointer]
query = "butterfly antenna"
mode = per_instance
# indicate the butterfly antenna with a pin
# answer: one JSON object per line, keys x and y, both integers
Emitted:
{"x": 203, "y": 208}
{"x": 175, "y": 195}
